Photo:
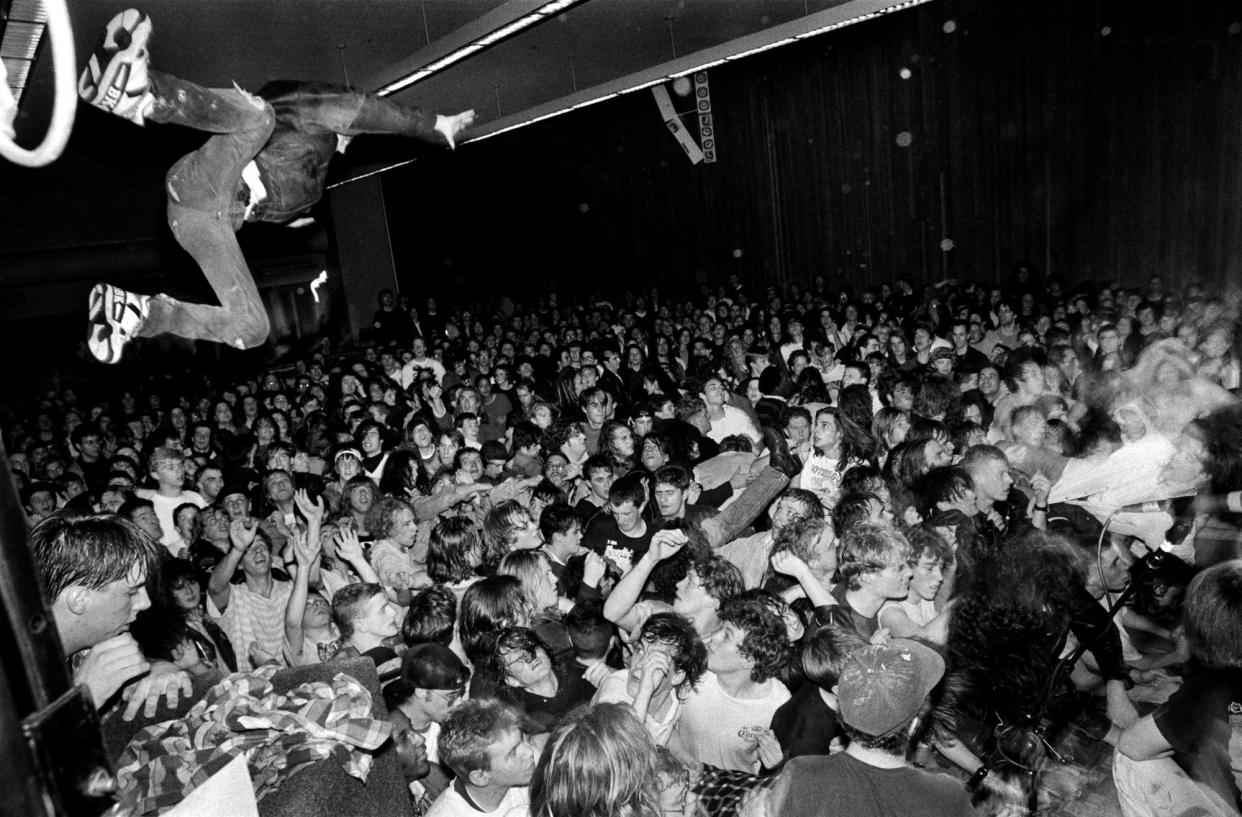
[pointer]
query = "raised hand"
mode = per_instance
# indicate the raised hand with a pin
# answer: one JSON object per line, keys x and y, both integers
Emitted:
{"x": 790, "y": 564}
{"x": 242, "y": 533}
{"x": 313, "y": 511}
{"x": 347, "y": 545}
{"x": 278, "y": 521}
{"x": 665, "y": 543}
{"x": 653, "y": 668}
{"x": 593, "y": 569}
{"x": 304, "y": 550}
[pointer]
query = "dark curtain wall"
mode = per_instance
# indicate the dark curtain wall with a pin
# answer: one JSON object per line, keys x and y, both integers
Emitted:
{"x": 1099, "y": 140}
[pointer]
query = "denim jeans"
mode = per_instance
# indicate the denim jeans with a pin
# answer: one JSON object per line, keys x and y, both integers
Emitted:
{"x": 754, "y": 499}
{"x": 309, "y": 116}
{"x": 292, "y": 139}
{"x": 204, "y": 210}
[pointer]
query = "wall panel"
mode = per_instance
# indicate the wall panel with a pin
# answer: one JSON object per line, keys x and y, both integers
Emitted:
{"x": 1096, "y": 138}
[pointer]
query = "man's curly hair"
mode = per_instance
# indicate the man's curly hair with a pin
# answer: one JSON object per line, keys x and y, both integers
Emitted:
{"x": 676, "y": 632}
{"x": 765, "y": 642}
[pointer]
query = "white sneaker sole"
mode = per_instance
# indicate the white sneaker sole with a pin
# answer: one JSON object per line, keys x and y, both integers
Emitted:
{"x": 115, "y": 76}
{"x": 115, "y": 316}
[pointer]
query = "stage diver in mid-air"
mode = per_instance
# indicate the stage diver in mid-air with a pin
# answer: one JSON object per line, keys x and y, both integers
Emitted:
{"x": 266, "y": 160}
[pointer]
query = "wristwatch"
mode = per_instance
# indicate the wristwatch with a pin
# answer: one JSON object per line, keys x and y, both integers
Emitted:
{"x": 977, "y": 778}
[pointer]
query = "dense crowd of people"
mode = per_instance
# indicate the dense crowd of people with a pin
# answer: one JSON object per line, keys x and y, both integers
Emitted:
{"x": 797, "y": 551}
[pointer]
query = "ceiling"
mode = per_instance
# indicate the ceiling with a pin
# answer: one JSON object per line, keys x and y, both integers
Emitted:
{"x": 368, "y": 42}
{"x": 98, "y": 211}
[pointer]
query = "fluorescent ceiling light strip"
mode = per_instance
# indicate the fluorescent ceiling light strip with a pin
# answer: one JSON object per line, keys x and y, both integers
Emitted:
{"x": 491, "y": 38}
{"x": 640, "y": 85}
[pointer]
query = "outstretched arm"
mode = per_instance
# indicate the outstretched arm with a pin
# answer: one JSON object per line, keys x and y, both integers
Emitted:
{"x": 314, "y": 513}
{"x": 241, "y": 536}
{"x": 619, "y": 607}
{"x": 349, "y": 113}
{"x": 306, "y": 552}
{"x": 349, "y": 550}
{"x": 790, "y": 564}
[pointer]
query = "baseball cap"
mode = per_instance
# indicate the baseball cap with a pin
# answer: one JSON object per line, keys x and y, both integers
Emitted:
{"x": 231, "y": 488}
{"x": 882, "y": 687}
{"x": 432, "y": 666}
{"x": 494, "y": 450}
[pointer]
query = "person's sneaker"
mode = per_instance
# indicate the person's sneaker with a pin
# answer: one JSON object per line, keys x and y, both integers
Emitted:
{"x": 115, "y": 77}
{"x": 115, "y": 317}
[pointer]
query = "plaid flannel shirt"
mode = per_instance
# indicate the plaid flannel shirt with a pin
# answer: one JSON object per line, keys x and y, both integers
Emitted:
{"x": 278, "y": 734}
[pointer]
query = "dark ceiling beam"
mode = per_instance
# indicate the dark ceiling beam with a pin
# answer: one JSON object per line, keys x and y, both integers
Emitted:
{"x": 476, "y": 29}
{"x": 849, "y": 13}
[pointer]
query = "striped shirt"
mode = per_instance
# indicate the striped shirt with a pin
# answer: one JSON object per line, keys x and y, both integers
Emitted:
{"x": 251, "y": 618}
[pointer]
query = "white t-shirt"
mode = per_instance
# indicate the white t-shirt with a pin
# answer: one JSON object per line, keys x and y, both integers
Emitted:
{"x": 164, "y": 507}
{"x": 734, "y": 421}
{"x": 455, "y": 802}
{"x": 614, "y": 690}
{"x": 708, "y": 729}
{"x": 822, "y": 476}
{"x": 921, "y": 612}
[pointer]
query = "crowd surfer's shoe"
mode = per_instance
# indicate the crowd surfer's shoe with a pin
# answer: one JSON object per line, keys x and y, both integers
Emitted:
{"x": 115, "y": 317}
{"x": 115, "y": 77}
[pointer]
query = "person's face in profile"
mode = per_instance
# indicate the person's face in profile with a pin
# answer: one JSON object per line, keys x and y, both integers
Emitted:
{"x": 411, "y": 747}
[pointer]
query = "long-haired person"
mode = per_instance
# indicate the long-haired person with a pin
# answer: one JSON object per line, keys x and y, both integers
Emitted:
{"x": 454, "y": 554}
{"x": 487, "y": 607}
{"x": 1005, "y": 638}
{"x": 523, "y": 671}
{"x": 539, "y": 585}
{"x": 837, "y": 444}
{"x": 598, "y": 763}
{"x": 177, "y": 628}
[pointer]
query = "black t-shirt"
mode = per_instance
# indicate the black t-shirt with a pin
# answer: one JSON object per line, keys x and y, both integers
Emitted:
{"x": 972, "y": 357}
{"x": 846, "y": 617}
{"x": 1201, "y": 721}
{"x": 605, "y": 538}
{"x": 544, "y": 713}
{"x": 95, "y": 473}
{"x": 587, "y": 510}
{"x": 843, "y": 785}
{"x": 393, "y": 326}
{"x": 805, "y": 724}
